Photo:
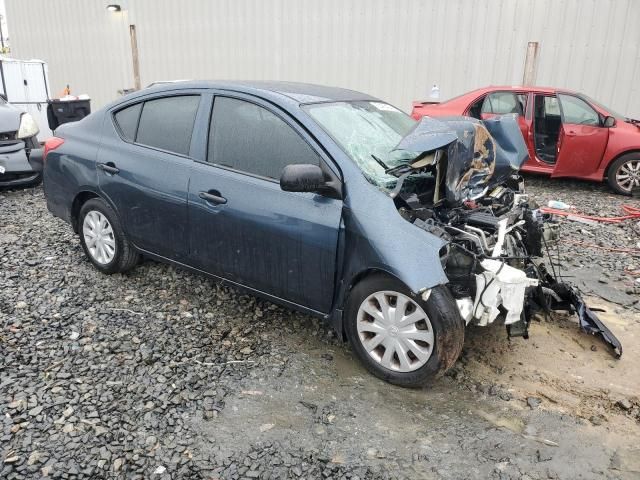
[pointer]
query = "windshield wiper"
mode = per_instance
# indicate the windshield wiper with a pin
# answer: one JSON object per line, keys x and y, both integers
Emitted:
{"x": 380, "y": 162}
{"x": 396, "y": 171}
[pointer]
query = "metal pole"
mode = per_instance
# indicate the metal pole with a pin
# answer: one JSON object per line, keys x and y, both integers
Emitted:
{"x": 530, "y": 64}
{"x": 134, "y": 57}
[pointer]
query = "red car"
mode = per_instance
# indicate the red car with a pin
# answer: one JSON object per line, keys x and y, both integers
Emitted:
{"x": 568, "y": 134}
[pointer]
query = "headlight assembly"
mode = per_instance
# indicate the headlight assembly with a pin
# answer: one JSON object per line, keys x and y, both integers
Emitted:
{"x": 28, "y": 127}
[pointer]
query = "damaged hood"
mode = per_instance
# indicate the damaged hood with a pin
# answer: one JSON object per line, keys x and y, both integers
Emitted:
{"x": 480, "y": 154}
{"x": 428, "y": 134}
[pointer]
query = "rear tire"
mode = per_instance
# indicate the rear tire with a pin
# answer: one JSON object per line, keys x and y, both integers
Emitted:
{"x": 624, "y": 174}
{"x": 103, "y": 240}
{"x": 419, "y": 350}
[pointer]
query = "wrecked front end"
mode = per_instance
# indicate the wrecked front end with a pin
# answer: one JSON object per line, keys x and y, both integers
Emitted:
{"x": 461, "y": 184}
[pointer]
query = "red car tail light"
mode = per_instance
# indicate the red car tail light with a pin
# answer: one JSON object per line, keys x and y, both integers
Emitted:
{"x": 51, "y": 144}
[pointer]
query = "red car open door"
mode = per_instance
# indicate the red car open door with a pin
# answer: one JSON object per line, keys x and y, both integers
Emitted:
{"x": 582, "y": 139}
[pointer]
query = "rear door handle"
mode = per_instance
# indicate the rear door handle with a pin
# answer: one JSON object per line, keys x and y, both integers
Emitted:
{"x": 109, "y": 168}
{"x": 213, "y": 196}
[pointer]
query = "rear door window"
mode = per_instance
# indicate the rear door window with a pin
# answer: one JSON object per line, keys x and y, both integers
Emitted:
{"x": 167, "y": 123}
{"x": 127, "y": 121}
{"x": 501, "y": 103}
{"x": 249, "y": 138}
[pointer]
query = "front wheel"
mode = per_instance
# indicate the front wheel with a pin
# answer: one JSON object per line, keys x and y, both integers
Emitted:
{"x": 398, "y": 336}
{"x": 624, "y": 174}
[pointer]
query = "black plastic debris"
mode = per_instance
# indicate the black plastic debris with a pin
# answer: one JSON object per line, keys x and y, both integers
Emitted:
{"x": 567, "y": 297}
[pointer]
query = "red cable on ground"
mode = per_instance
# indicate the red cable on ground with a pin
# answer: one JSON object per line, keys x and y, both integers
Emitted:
{"x": 632, "y": 251}
{"x": 632, "y": 213}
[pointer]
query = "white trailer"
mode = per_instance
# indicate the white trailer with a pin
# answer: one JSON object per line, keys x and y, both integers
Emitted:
{"x": 25, "y": 84}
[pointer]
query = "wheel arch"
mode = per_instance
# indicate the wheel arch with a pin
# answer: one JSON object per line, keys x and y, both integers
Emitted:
{"x": 80, "y": 199}
{"x": 336, "y": 318}
{"x": 358, "y": 277}
{"x": 613, "y": 159}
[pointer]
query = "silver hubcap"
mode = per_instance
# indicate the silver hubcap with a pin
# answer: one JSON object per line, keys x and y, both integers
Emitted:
{"x": 395, "y": 331}
{"x": 628, "y": 175}
{"x": 98, "y": 236}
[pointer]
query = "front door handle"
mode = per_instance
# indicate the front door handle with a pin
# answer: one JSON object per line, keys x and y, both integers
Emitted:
{"x": 109, "y": 168}
{"x": 213, "y": 196}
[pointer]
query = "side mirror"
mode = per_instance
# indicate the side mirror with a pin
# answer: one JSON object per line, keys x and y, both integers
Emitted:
{"x": 302, "y": 178}
{"x": 609, "y": 122}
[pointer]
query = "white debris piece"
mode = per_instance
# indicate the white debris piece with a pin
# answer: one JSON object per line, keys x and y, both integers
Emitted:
{"x": 498, "y": 285}
{"x": 502, "y": 231}
{"x": 465, "y": 306}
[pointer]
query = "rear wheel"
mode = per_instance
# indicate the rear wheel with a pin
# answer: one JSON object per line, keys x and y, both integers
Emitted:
{"x": 400, "y": 337}
{"x": 103, "y": 239}
{"x": 624, "y": 174}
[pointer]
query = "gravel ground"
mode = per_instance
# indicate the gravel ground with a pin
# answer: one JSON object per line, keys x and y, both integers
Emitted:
{"x": 161, "y": 373}
{"x": 585, "y": 251}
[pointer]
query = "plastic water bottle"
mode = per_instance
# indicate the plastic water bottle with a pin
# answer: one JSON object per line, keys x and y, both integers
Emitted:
{"x": 558, "y": 205}
{"x": 435, "y": 92}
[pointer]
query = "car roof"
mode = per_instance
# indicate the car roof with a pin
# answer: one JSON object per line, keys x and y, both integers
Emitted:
{"x": 298, "y": 92}
{"x": 530, "y": 88}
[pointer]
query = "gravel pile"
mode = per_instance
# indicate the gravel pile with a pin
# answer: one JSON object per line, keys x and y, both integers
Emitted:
{"x": 106, "y": 376}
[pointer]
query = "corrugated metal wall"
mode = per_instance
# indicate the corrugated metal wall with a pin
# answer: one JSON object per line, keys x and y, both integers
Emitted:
{"x": 394, "y": 49}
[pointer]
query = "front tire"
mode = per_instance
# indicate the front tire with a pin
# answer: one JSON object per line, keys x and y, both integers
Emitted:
{"x": 103, "y": 240}
{"x": 398, "y": 336}
{"x": 624, "y": 174}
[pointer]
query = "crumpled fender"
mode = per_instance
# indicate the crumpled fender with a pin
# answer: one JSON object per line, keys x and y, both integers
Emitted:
{"x": 378, "y": 238}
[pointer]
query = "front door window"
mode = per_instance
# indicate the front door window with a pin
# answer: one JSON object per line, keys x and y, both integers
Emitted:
{"x": 578, "y": 112}
{"x": 251, "y": 139}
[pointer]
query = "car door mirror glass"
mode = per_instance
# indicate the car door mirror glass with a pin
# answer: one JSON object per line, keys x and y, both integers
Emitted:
{"x": 302, "y": 178}
{"x": 609, "y": 122}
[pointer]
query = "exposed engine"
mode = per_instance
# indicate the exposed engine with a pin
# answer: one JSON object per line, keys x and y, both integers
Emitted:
{"x": 489, "y": 259}
{"x": 464, "y": 187}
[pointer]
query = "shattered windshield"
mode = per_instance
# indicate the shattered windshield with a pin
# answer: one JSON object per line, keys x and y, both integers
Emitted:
{"x": 365, "y": 130}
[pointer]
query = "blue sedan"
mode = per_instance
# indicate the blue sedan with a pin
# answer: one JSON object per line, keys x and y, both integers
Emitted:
{"x": 301, "y": 195}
